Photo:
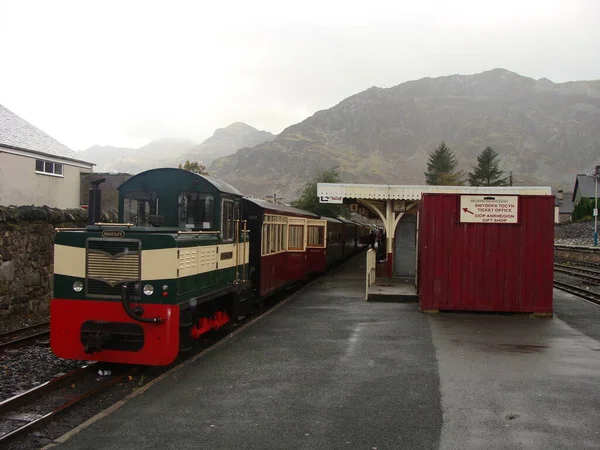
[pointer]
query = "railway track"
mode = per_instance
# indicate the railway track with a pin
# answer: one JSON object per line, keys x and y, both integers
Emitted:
{"x": 24, "y": 413}
{"x": 582, "y": 263}
{"x": 590, "y": 275}
{"x": 578, "y": 291}
{"x": 24, "y": 336}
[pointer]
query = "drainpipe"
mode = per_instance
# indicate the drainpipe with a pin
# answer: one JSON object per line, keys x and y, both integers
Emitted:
{"x": 389, "y": 218}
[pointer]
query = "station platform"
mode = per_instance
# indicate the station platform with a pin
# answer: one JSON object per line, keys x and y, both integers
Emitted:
{"x": 327, "y": 370}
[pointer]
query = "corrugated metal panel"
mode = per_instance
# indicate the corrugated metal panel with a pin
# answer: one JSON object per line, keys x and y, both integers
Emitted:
{"x": 407, "y": 192}
{"x": 486, "y": 267}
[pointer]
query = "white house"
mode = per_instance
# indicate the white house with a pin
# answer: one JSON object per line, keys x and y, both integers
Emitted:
{"x": 36, "y": 169}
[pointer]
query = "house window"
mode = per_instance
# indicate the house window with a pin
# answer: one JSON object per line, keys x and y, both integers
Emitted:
{"x": 47, "y": 167}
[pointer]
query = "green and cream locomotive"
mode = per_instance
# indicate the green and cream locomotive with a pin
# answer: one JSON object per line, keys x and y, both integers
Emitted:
{"x": 174, "y": 267}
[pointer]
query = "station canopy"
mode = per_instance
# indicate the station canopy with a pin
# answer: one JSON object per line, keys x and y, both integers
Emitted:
{"x": 382, "y": 201}
{"x": 338, "y": 192}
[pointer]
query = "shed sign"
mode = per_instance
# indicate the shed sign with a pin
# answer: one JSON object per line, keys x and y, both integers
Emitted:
{"x": 488, "y": 209}
{"x": 331, "y": 199}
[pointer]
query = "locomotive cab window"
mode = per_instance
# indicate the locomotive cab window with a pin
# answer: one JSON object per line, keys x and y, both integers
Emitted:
{"x": 138, "y": 206}
{"x": 196, "y": 210}
{"x": 228, "y": 218}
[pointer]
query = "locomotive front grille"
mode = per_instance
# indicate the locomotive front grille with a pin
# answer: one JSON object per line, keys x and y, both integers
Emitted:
{"x": 110, "y": 263}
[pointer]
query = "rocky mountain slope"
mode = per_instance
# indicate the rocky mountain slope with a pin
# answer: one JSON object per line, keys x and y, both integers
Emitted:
{"x": 226, "y": 141}
{"x": 544, "y": 132}
{"x": 172, "y": 152}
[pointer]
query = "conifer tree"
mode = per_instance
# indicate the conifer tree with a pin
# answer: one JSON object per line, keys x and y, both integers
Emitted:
{"x": 487, "y": 172}
{"x": 441, "y": 168}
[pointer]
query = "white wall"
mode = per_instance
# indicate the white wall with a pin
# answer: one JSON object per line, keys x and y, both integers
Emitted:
{"x": 21, "y": 185}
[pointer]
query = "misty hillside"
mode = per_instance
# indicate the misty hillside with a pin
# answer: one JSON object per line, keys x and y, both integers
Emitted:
{"x": 127, "y": 160}
{"x": 104, "y": 155}
{"x": 544, "y": 132}
{"x": 172, "y": 152}
{"x": 226, "y": 141}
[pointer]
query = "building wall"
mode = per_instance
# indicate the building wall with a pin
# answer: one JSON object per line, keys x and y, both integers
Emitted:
{"x": 486, "y": 266}
{"x": 110, "y": 194}
{"x": 564, "y": 218}
{"x": 21, "y": 185}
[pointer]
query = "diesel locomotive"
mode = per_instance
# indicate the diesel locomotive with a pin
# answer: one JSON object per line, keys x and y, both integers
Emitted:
{"x": 188, "y": 255}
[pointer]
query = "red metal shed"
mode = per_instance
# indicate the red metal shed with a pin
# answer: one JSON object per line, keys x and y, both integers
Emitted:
{"x": 486, "y": 253}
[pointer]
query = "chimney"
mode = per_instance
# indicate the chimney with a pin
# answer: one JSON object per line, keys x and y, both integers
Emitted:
{"x": 95, "y": 201}
{"x": 560, "y": 195}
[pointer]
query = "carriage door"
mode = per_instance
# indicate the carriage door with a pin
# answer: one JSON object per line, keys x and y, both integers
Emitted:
{"x": 315, "y": 245}
{"x": 405, "y": 257}
{"x": 296, "y": 251}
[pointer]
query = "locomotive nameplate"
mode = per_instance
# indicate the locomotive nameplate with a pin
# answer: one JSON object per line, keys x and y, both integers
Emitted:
{"x": 113, "y": 234}
{"x": 226, "y": 255}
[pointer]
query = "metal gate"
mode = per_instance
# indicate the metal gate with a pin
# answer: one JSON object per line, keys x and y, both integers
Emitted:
{"x": 405, "y": 253}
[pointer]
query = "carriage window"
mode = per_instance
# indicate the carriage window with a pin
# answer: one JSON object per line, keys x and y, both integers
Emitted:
{"x": 196, "y": 210}
{"x": 316, "y": 236}
{"x": 138, "y": 206}
{"x": 227, "y": 221}
{"x": 282, "y": 237}
{"x": 296, "y": 237}
{"x": 265, "y": 239}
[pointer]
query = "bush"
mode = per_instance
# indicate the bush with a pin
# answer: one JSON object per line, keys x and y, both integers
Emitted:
{"x": 583, "y": 209}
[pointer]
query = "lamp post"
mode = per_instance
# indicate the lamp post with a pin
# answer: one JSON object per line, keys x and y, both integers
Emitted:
{"x": 596, "y": 170}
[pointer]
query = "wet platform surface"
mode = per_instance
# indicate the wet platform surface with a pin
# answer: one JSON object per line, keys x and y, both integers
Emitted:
{"x": 328, "y": 370}
{"x": 395, "y": 289}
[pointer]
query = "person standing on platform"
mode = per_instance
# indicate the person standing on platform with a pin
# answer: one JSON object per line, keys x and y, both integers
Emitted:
{"x": 372, "y": 239}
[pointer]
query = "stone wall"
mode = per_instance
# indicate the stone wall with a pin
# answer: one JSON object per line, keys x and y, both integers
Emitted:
{"x": 26, "y": 254}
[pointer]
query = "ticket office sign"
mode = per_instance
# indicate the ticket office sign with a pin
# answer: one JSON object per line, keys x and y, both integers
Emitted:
{"x": 489, "y": 209}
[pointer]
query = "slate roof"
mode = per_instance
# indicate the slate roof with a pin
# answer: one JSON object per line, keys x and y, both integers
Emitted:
{"x": 585, "y": 185}
{"x": 565, "y": 206}
{"x": 17, "y": 133}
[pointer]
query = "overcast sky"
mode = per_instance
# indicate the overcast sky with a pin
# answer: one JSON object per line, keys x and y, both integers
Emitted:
{"x": 126, "y": 72}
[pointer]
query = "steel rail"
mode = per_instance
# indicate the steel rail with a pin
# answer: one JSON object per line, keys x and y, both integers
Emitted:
{"x": 593, "y": 278}
{"x": 581, "y": 269}
{"x": 580, "y": 292}
{"x": 29, "y": 397}
{"x": 14, "y": 338}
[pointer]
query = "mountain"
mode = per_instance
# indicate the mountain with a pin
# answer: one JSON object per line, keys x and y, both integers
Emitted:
{"x": 226, "y": 141}
{"x": 544, "y": 132}
{"x": 172, "y": 152}
{"x": 162, "y": 149}
{"x": 104, "y": 156}
{"x": 129, "y": 160}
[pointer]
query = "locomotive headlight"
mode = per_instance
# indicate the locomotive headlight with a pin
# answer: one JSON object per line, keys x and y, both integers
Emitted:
{"x": 148, "y": 289}
{"x": 78, "y": 286}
